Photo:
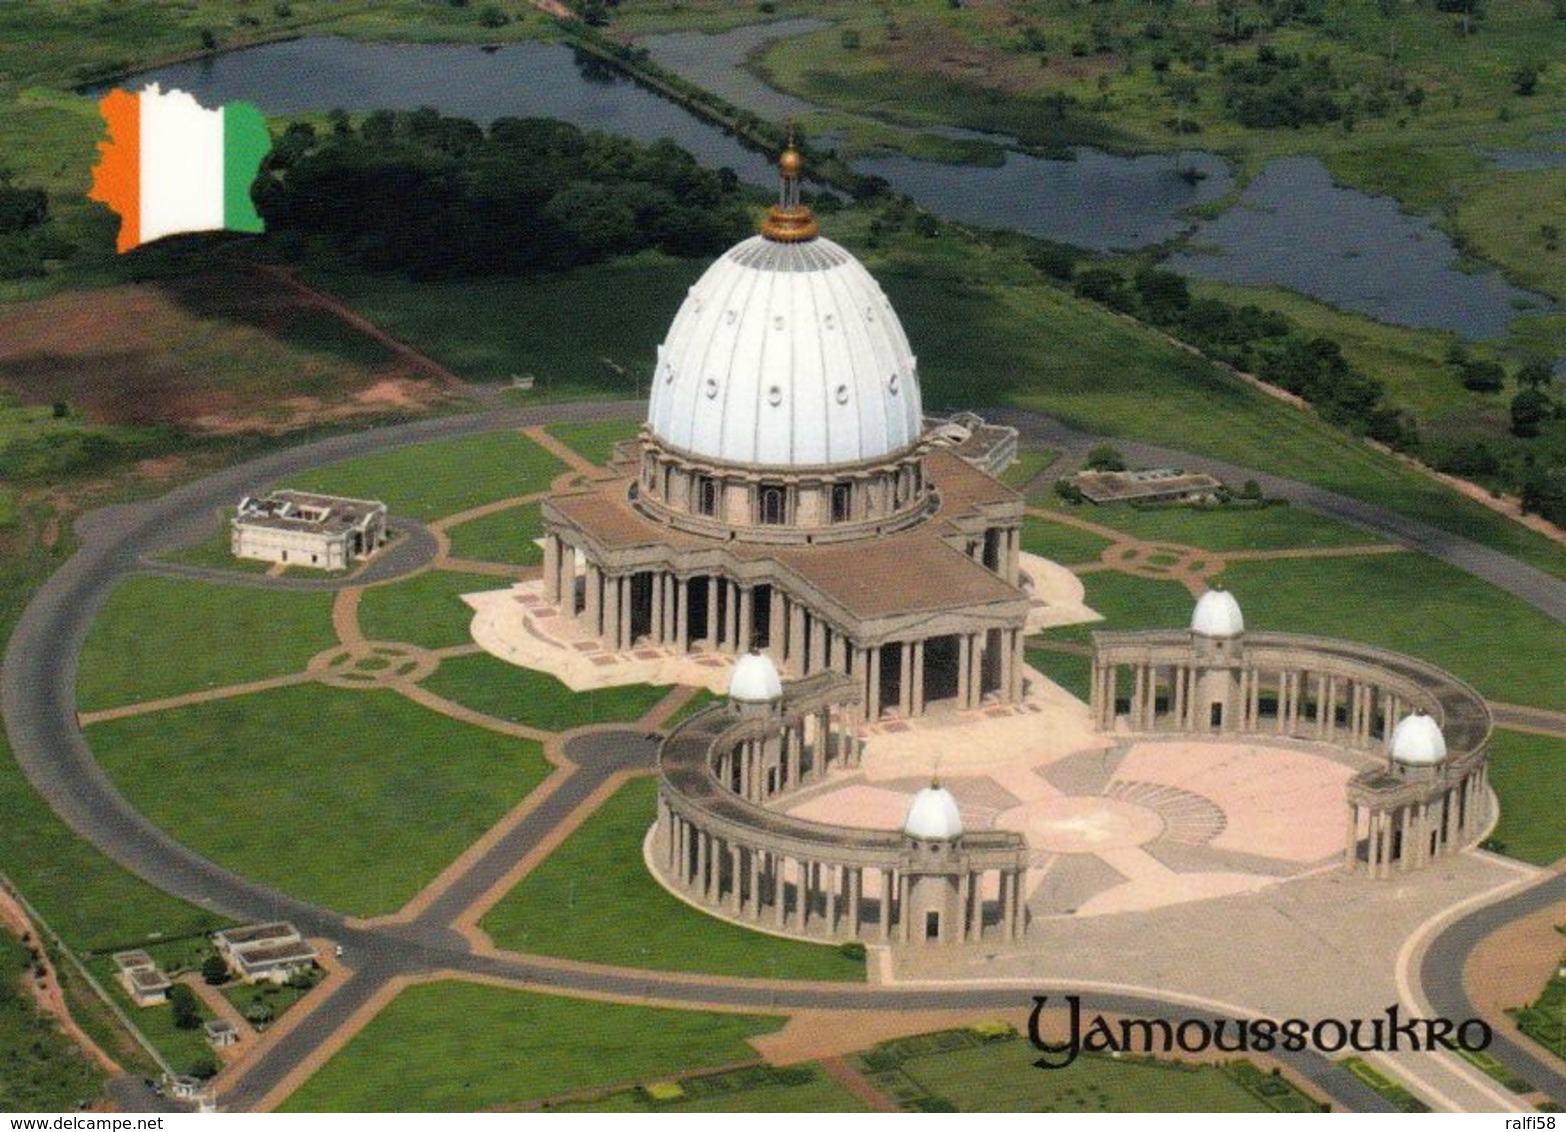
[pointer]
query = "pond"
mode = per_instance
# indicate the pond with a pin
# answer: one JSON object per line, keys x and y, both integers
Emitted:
{"x": 1292, "y": 227}
{"x": 1295, "y": 228}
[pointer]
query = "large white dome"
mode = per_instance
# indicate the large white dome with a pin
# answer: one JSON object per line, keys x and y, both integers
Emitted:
{"x": 933, "y": 815}
{"x": 1417, "y": 741}
{"x": 786, "y": 355}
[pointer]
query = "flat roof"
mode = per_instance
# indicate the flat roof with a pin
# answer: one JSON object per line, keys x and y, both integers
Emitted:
{"x": 286, "y": 509}
{"x": 911, "y": 571}
{"x": 257, "y": 933}
{"x": 273, "y": 955}
{"x": 130, "y": 960}
{"x": 1107, "y": 487}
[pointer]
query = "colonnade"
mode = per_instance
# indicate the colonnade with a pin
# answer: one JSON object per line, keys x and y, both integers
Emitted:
{"x": 1435, "y": 814}
{"x": 818, "y": 891}
{"x": 1352, "y": 710}
{"x": 796, "y": 754}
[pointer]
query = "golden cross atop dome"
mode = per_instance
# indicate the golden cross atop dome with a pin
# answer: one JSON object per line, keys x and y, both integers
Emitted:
{"x": 789, "y": 221}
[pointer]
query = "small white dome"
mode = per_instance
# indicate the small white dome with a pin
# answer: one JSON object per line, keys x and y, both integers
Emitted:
{"x": 786, "y": 355}
{"x": 1417, "y": 741}
{"x": 933, "y": 815}
{"x": 755, "y": 679}
{"x": 1217, "y": 614}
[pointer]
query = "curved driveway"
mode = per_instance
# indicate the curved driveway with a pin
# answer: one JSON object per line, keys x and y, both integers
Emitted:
{"x": 37, "y": 697}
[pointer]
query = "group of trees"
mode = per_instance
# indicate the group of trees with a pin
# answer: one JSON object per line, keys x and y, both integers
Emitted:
{"x": 441, "y": 197}
{"x": 27, "y": 238}
{"x": 1258, "y": 341}
{"x": 1531, "y": 405}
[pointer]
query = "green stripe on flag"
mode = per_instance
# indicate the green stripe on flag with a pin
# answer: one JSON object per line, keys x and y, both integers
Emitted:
{"x": 245, "y": 143}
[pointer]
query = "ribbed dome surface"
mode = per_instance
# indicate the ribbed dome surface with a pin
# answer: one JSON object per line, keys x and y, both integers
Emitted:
{"x": 933, "y": 815}
{"x": 1217, "y": 614}
{"x": 755, "y": 679}
{"x": 1417, "y": 741}
{"x": 786, "y": 355}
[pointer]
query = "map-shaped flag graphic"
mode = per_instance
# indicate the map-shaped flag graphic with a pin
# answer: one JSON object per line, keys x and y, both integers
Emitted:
{"x": 170, "y": 165}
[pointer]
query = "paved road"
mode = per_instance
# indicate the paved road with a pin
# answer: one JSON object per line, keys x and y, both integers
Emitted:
{"x": 1543, "y": 591}
{"x": 37, "y": 698}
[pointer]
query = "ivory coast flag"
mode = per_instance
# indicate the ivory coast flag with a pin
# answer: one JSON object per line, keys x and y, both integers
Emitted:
{"x": 170, "y": 165}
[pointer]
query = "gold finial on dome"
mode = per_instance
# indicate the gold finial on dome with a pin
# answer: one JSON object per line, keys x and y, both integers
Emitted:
{"x": 789, "y": 221}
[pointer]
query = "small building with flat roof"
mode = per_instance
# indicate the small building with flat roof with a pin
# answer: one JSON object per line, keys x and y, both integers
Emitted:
{"x": 273, "y": 951}
{"x": 221, "y": 1033}
{"x": 1150, "y": 485}
{"x": 138, "y": 973}
{"x": 297, "y": 528}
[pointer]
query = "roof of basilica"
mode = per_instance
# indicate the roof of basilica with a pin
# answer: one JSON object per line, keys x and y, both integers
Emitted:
{"x": 786, "y": 354}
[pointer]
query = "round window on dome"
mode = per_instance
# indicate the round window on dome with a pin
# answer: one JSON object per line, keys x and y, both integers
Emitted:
{"x": 892, "y": 383}
{"x": 842, "y": 394}
{"x": 712, "y": 388}
{"x": 777, "y": 322}
{"x": 775, "y": 396}
{"x": 730, "y": 315}
{"x": 830, "y": 320}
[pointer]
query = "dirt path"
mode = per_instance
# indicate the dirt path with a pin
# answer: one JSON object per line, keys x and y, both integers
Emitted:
{"x": 849, "y": 1077}
{"x": 541, "y": 437}
{"x": 227, "y": 692}
{"x": 46, "y": 990}
{"x": 364, "y": 326}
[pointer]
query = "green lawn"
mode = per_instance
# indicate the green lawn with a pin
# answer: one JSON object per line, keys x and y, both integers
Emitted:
{"x": 521, "y": 695}
{"x": 754, "y": 1089}
{"x": 1220, "y": 528}
{"x": 426, "y": 609}
{"x": 506, "y": 536}
{"x": 585, "y": 333}
{"x": 439, "y": 478}
{"x": 1528, "y": 773}
{"x": 1498, "y": 643}
{"x": 1129, "y": 603}
{"x": 1000, "y": 1077}
{"x": 1061, "y": 542}
{"x": 1071, "y": 672}
{"x": 702, "y": 699}
{"x": 159, "y": 637}
{"x": 350, "y": 799}
{"x": 180, "y": 1048}
{"x": 87, "y": 898}
{"x": 595, "y": 440}
{"x": 623, "y": 916}
{"x": 460, "y": 1047}
{"x": 41, "y": 1070}
{"x": 1029, "y": 463}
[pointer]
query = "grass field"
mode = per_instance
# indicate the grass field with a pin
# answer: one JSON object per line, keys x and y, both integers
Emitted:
{"x": 41, "y": 1070}
{"x": 1070, "y": 671}
{"x": 429, "y": 481}
{"x": 426, "y": 609}
{"x": 522, "y": 695}
{"x": 1061, "y": 542}
{"x": 349, "y": 799}
{"x": 506, "y": 536}
{"x": 459, "y": 1047}
{"x": 741, "y": 1090}
{"x": 87, "y": 898}
{"x": 1129, "y": 603}
{"x": 1000, "y": 1077}
{"x": 1264, "y": 528}
{"x": 594, "y": 440}
{"x": 1528, "y": 773}
{"x": 1413, "y": 604}
{"x": 669, "y": 935}
{"x": 159, "y": 637}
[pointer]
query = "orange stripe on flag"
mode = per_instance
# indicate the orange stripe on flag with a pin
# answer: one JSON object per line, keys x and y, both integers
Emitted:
{"x": 116, "y": 181}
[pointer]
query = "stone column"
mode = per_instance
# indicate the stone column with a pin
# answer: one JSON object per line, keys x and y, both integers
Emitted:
{"x": 683, "y": 597}
{"x": 746, "y": 618}
{"x": 656, "y": 599}
{"x": 834, "y": 878}
{"x": 964, "y": 675}
{"x": 916, "y": 692}
{"x": 904, "y": 679}
{"x": 1350, "y": 848}
{"x": 714, "y": 629}
{"x": 780, "y": 887}
{"x": 755, "y": 884}
{"x": 551, "y": 568}
{"x": 611, "y": 612}
{"x": 735, "y": 894}
{"x": 873, "y": 684}
{"x": 964, "y": 884}
{"x": 886, "y": 904}
{"x": 856, "y": 880}
{"x": 796, "y": 636}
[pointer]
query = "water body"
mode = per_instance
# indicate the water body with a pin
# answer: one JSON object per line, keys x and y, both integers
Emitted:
{"x": 1099, "y": 201}
{"x": 715, "y": 63}
{"x": 522, "y": 80}
{"x": 1293, "y": 227}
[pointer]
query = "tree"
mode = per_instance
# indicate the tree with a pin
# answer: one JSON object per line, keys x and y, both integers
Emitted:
{"x": 214, "y": 972}
{"x": 1105, "y": 459}
{"x": 1251, "y": 490}
{"x": 1536, "y": 374}
{"x": 204, "y": 1068}
{"x": 1525, "y": 80}
{"x": 1483, "y": 377}
{"x": 187, "y": 1007}
{"x": 1529, "y": 409}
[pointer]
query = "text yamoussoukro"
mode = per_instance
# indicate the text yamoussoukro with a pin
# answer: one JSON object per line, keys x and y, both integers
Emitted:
{"x": 1389, "y": 1033}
